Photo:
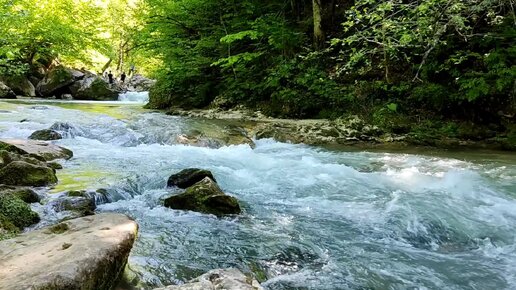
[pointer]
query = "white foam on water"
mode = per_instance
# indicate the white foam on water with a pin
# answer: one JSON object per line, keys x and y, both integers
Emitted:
{"x": 311, "y": 217}
{"x": 134, "y": 97}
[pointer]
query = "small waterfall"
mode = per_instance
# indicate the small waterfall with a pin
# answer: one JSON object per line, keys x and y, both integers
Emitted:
{"x": 134, "y": 97}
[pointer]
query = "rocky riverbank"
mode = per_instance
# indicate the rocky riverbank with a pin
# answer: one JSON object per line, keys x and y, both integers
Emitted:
{"x": 85, "y": 250}
{"x": 350, "y": 131}
{"x": 59, "y": 82}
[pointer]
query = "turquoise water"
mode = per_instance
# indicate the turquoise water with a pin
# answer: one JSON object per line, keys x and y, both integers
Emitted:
{"x": 314, "y": 218}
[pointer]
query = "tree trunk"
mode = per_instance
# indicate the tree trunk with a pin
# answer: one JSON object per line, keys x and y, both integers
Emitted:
{"x": 319, "y": 35}
{"x": 105, "y": 67}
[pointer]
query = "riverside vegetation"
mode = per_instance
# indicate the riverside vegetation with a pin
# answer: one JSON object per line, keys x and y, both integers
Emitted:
{"x": 429, "y": 70}
{"x": 318, "y": 72}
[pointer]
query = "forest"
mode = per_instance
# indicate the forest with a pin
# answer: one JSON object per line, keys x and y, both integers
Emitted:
{"x": 445, "y": 66}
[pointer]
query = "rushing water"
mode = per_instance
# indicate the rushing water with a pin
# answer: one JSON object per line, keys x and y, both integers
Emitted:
{"x": 313, "y": 218}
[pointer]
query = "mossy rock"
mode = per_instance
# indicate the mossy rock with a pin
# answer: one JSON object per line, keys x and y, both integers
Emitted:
{"x": 55, "y": 79}
{"x": 79, "y": 205}
{"x": 206, "y": 197}
{"x": 8, "y": 157}
{"x": 26, "y": 194}
{"x": 54, "y": 165}
{"x": 11, "y": 148}
{"x": 26, "y": 174}
{"x": 188, "y": 177}
{"x": 7, "y": 228}
{"x": 17, "y": 211}
{"x": 45, "y": 135}
{"x": 77, "y": 193}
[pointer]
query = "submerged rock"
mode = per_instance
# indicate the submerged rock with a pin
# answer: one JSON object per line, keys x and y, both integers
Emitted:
{"x": 80, "y": 206}
{"x": 227, "y": 279}
{"x": 45, "y": 135}
{"x": 6, "y": 92}
{"x": 85, "y": 253}
{"x": 45, "y": 150}
{"x": 26, "y": 174}
{"x": 188, "y": 177}
{"x": 206, "y": 197}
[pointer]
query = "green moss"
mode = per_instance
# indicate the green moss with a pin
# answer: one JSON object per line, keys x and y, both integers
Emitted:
{"x": 26, "y": 194}
{"x": 25, "y": 174}
{"x": 77, "y": 193}
{"x": 206, "y": 197}
{"x": 7, "y": 228}
{"x": 11, "y": 148}
{"x": 17, "y": 211}
{"x": 54, "y": 165}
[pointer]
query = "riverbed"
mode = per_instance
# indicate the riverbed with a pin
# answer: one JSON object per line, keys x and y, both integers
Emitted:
{"x": 313, "y": 217}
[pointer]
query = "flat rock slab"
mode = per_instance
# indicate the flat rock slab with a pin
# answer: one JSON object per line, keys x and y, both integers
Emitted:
{"x": 227, "y": 279}
{"x": 46, "y": 150}
{"x": 84, "y": 253}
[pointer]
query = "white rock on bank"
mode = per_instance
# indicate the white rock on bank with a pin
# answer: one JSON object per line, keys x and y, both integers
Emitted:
{"x": 84, "y": 253}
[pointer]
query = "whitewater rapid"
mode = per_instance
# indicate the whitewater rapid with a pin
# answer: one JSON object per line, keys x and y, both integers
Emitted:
{"x": 313, "y": 218}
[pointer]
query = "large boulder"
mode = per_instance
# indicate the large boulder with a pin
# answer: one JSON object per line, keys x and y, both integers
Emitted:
{"x": 43, "y": 150}
{"x": 87, "y": 253}
{"x": 56, "y": 79}
{"x": 20, "y": 85}
{"x": 45, "y": 135}
{"x": 227, "y": 279}
{"x": 188, "y": 177}
{"x": 93, "y": 88}
{"x": 206, "y": 197}
{"x": 139, "y": 83}
{"x": 6, "y": 92}
{"x": 26, "y": 174}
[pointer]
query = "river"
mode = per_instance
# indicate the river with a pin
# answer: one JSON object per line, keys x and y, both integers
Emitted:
{"x": 313, "y": 217}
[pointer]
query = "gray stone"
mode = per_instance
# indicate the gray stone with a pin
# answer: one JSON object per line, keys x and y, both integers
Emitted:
{"x": 206, "y": 197}
{"x": 84, "y": 253}
{"x": 45, "y": 135}
{"x": 95, "y": 88}
{"x": 218, "y": 279}
{"x": 188, "y": 177}
{"x": 45, "y": 150}
{"x": 6, "y": 92}
{"x": 20, "y": 85}
{"x": 139, "y": 83}
{"x": 56, "y": 79}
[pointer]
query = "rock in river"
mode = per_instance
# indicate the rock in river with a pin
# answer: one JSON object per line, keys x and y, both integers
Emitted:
{"x": 205, "y": 196}
{"x": 45, "y": 150}
{"x": 227, "y": 279}
{"x": 84, "y": 253}
{"x": 188, "y": 177}
{"x": 45, "y": 135}
{"x": 26, "y": 174}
